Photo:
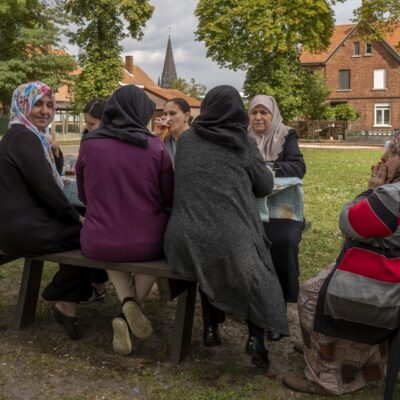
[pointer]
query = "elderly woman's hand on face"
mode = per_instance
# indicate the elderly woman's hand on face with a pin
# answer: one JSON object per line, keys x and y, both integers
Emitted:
{"x": 393, "y": 166}
{"x": 378, "y": 175}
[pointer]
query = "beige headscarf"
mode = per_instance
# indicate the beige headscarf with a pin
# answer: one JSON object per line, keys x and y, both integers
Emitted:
{"x": 271, "y": 141}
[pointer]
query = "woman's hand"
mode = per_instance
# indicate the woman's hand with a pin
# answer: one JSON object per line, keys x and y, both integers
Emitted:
{"x": 378, "y": 175}
{"x": 160, "y": 125}
{"x": 53, "y": 146}
{"x": 393, "y": 166}
{"x": 81, "y": 219}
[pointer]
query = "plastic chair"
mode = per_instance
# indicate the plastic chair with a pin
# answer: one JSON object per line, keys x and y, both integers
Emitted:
{"x": 393, "y": 366}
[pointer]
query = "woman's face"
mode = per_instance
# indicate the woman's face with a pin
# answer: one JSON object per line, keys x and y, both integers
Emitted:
{"x": 92, "y": 123}
{"x": 177, "y": 120}
{"x": 42, "y": 113}
{"x": 260, "y": 119}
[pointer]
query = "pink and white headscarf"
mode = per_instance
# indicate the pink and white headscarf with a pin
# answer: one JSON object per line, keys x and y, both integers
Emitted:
{"x": 23, "y": 99}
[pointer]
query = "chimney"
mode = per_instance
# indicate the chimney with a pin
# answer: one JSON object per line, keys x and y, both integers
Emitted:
{"x": 129, "y": 64}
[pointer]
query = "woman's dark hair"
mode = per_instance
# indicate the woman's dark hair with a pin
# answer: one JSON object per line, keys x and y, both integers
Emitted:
{"x": 181, "y": 103}
{"x": 95, "y": 108}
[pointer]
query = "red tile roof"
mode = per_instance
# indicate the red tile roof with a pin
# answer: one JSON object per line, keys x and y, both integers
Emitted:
{"x": 339, "y": 35}
{"x": 140, "y": 78}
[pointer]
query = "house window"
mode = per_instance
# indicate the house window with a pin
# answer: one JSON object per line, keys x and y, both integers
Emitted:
{"x": 356, "y": 48}
{"x": 344, "y": 79}
{"x": 379, "y": 78}
{"x": 382, "y": 115}
{"x": 368, "y": 49}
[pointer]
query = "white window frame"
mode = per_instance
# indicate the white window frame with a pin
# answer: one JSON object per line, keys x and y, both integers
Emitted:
{"x": 380, "y": 79}
{"x": 381, "y": 108}
{"x": 366, "y": 46}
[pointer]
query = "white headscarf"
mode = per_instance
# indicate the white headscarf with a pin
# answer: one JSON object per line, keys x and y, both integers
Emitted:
{"x": 271, "y": 141}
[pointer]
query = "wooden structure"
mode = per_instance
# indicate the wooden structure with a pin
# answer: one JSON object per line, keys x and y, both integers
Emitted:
{"x": 185, "y": 291}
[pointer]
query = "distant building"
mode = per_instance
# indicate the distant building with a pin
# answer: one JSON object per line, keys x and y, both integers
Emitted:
{"x": 67, "y": 124}
{"x": 169, "y": 71}
{"x": 363, "y": 74}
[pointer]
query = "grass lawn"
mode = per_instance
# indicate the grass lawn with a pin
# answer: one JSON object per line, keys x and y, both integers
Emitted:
{"x": 39, "y": 363}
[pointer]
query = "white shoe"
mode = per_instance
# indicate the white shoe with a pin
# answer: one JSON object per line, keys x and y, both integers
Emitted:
{"x": 122, "y": 343}
{"x": 139, "y": 324}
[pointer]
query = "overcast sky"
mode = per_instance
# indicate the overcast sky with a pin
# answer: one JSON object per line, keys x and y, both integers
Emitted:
{"x": 190, "y": 55}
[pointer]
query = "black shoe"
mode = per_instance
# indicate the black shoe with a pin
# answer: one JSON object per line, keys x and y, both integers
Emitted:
{"x": 273, "y": 336}
{"x": 257, "y": 352}
{"x": 69, "y": 324}
{"x": 211, "y": 336}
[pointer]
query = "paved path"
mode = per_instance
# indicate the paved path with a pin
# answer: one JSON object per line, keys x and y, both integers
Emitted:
{"x": 74, "y": 150}
{"x": 346, "y": 146}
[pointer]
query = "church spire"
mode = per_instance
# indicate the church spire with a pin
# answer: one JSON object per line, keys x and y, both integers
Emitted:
{"x": 169, "y": 70}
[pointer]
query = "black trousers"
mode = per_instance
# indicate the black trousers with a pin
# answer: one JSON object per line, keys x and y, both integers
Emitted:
{"x": 285, "y": 236}
{"x": 71, "y": 283}
{"x": 214, "y": 316}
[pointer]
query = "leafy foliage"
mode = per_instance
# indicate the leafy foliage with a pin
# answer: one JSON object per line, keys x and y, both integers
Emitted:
{"x": 345, "y": 112}
{"x": 314, "y": 96}
{"x": 191, "y": 88}
{"x": 28, "y": 38}
{"x": 382, "y": 15}
{"x": 280, "y": 77}
{"x": 263, "y": 37}
{"x": 100, "y": 29}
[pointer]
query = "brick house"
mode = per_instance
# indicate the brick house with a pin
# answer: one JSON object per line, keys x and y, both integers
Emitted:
{"x": 363, "y": 74}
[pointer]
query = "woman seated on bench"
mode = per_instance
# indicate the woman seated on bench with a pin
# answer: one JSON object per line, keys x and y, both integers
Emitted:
{"x": 36, "y": 217}
{"x": 279, "y": 148}
{"x": 350, "y": 309}
{"x": 125, "y": 178}
{"x": 215, "y": 235}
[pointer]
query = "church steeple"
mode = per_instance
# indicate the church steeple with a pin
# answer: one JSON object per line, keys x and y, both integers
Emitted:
{"x": 169, "y": 70}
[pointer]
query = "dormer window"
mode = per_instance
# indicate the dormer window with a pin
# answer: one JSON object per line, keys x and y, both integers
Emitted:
{"x": 356, "y": 49}
{"x": 368, "y": 49}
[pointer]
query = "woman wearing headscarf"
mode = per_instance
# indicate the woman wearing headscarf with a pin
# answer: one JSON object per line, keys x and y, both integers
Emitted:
{"x": 278, "y": 146}
{"x": 350, "y": 309}
{"x": 36, "y": 217}
{"x": 125, "y": 178}
{"x": 215, "y": 235}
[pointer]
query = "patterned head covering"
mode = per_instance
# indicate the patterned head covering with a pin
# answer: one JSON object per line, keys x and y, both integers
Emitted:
{"x": 271, "y": 141}
{"x": 24, "y": 98}
{"x": 396, "y": 142}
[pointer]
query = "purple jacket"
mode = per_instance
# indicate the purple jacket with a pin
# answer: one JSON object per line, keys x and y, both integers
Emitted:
{"x": 127, "y": 191}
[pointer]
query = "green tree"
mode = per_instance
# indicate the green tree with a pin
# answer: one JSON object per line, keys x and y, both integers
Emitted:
{"x": 315, "y": 93}
{"x": 279, "y": 78}
{"x": 382, "y": 15}
{"x": 263, "y": 37}
{"x": 345, "y": 112}
{"x": 100, "y": 29}
{"x": 28, "y": 47}
{"x": 191, "y": 88}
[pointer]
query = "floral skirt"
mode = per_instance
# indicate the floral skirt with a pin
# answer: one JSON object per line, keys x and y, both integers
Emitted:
{"x": 338, "y": 365}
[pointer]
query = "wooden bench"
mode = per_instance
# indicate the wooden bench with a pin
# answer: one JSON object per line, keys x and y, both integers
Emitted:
{"x": 185, "y": 292}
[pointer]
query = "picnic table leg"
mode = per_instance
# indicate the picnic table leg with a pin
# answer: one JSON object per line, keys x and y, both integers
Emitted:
{"x": 183, "y": 324}
{"x": 28, "y": 293}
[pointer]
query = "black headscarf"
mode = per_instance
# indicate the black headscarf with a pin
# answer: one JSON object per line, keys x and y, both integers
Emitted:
{"x": 125, "y": 117}
{"x": 223, "y": 119}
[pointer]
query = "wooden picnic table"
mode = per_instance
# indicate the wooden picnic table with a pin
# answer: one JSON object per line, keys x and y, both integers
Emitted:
{"x": 184, "y": 291}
